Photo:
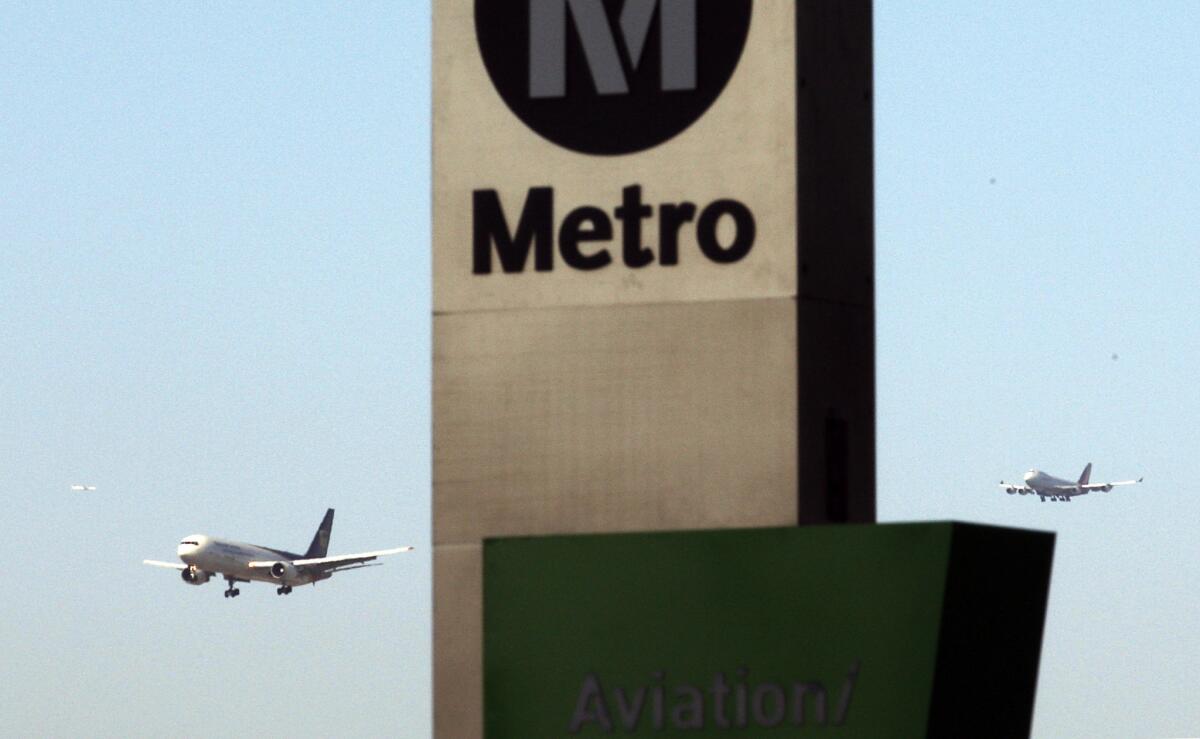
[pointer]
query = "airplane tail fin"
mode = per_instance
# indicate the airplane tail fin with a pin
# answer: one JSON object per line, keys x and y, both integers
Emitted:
{"x": 1087, "y": 474}
{"x": 320, "y": 543}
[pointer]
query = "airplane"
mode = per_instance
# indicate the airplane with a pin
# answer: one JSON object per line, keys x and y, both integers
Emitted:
{"x": 206, "y": 556}
{"x": 1055, "y": 488}
{"x": 83, "y": 488}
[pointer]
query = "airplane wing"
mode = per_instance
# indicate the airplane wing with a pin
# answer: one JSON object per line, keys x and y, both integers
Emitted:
{"x": 172, "y": 565}
{"x": 342, "y": 561}
{"x": 1015, "y": 487}
{"x": 347, "y": 568}
{"x": 1109, "y": 485}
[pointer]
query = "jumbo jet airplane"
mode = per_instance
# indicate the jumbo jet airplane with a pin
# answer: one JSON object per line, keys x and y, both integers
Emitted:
{"x": 1056, "y": 488}
{"x": 205, "y": 556}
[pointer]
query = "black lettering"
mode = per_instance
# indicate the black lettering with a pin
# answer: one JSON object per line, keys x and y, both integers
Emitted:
{"x": 572, "y": 233}
{"x": 670, "y": 218}
{"x": 744, "y": 230}
{"x": 630, "y": 213}
{"x": 535, "y": 229}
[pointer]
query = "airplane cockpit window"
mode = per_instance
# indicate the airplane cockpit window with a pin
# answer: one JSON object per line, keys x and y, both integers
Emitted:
{"x": 193, "y": 543}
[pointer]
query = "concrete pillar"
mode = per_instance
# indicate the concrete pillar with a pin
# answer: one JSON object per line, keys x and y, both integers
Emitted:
{"x": 688, "y": 341}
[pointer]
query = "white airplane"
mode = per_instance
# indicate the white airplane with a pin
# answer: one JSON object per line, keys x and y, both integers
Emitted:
{"x": 83, "y": 488}
{"x": 1055, "y": 488}
{"x": 205, "y": 556}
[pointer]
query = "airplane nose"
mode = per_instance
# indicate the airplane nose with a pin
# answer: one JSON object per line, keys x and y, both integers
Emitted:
{"x": 189, "y": 546}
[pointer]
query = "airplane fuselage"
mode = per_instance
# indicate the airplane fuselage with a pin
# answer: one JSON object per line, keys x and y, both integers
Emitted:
{"x": 1042, "y": 483}
{"x": 233, "y": 558}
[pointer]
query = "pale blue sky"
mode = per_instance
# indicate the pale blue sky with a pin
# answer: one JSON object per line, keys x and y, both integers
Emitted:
{"x": 214, "y": 286}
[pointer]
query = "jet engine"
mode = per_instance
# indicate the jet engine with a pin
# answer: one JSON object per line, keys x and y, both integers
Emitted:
{"x": 193, "y": 576}
{"x": 284, "y": 571}
{"x": 1011, "y": 491}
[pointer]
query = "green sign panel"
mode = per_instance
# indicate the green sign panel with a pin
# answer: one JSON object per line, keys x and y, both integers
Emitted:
{"x": 848, "y": 631}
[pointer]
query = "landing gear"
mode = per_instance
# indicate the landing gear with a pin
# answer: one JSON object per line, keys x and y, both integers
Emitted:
{"x": 283, "y": 590}
{"x": 231, "y": 592}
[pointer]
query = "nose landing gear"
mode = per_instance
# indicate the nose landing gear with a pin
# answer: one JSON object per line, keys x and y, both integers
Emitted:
{"x": 231, "y": 591}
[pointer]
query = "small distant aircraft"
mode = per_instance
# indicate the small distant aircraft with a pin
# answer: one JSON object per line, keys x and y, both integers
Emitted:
{"x": 1055, "y": 488}
{"x": 83, "y": 488}
{"x": 205, "y": 556}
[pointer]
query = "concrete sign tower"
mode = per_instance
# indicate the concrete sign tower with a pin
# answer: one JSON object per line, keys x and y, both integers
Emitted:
{"x": 653, "y": 230}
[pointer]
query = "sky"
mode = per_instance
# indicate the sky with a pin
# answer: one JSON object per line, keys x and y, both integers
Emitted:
{"x": 214, "y": 293}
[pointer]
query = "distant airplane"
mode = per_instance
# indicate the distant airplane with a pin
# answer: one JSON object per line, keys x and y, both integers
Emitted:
{"x": 205, "y": 556}
{"x": 83, "y": 488}
{"x": 1056, "y": 488}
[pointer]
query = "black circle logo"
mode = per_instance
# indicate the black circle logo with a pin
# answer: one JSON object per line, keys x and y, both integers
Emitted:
{"x": 610, "y": 76}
